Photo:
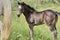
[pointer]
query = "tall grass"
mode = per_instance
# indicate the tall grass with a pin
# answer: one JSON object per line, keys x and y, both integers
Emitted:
{"x": 19, "y": 26}
{"x": 20, "y": 29}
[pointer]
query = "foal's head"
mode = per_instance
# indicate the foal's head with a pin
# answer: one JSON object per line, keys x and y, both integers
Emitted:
{"x": 24, "y": 8}
{"x": 20, "y": 8}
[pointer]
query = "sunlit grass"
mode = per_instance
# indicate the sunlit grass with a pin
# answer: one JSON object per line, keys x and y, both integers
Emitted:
{"x": 20, "y": 29}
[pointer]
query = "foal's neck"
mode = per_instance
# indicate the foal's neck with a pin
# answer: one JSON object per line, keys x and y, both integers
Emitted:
{"x": 28, "y": 11}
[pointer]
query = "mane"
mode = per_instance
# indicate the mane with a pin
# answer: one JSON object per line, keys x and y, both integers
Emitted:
{"x": 30, "y": 7}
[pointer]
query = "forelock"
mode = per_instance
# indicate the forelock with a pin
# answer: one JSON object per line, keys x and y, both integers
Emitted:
{"x": 19, "y": 6}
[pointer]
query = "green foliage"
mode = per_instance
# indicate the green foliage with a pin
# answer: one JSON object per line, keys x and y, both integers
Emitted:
{"x": 19, "y": 27}
{"x": 34, "y": 3}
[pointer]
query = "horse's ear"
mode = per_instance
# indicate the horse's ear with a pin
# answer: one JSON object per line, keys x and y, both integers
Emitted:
{"x": 18, "y": 3}
{"x": 23, "y": 3}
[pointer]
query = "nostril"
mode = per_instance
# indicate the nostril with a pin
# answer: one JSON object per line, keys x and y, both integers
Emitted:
{"x": 18, "y": 15}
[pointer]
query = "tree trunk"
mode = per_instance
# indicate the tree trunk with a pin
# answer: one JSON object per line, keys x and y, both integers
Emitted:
{"x": 0, "y": 7}
{"x": 7, "y": 20}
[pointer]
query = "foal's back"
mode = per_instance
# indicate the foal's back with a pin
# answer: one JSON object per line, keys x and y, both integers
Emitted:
{"x": 46, "y": 16}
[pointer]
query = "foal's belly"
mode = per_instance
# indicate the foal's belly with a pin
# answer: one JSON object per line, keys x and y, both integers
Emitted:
{"x": 38, "y": 20}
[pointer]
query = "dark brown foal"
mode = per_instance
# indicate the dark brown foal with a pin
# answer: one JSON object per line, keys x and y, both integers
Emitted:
{"x": 49, "y": 17}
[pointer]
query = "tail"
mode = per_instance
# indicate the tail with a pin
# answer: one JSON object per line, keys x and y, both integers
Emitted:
{"x": 58, "y": 13}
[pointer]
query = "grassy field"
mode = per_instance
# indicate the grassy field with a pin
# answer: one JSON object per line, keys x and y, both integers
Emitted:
{"x": 20, "y": 29}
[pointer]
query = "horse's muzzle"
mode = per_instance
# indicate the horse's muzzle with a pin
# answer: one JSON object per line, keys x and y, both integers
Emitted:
{"x": 18, "y": 15}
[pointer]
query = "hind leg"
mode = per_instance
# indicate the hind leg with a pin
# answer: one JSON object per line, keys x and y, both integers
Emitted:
{"x": 53, "y": 29}
{"x": 51, "y": 22}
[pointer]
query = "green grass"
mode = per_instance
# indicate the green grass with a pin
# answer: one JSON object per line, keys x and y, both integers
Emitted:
{"x": 20, "y": 29}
